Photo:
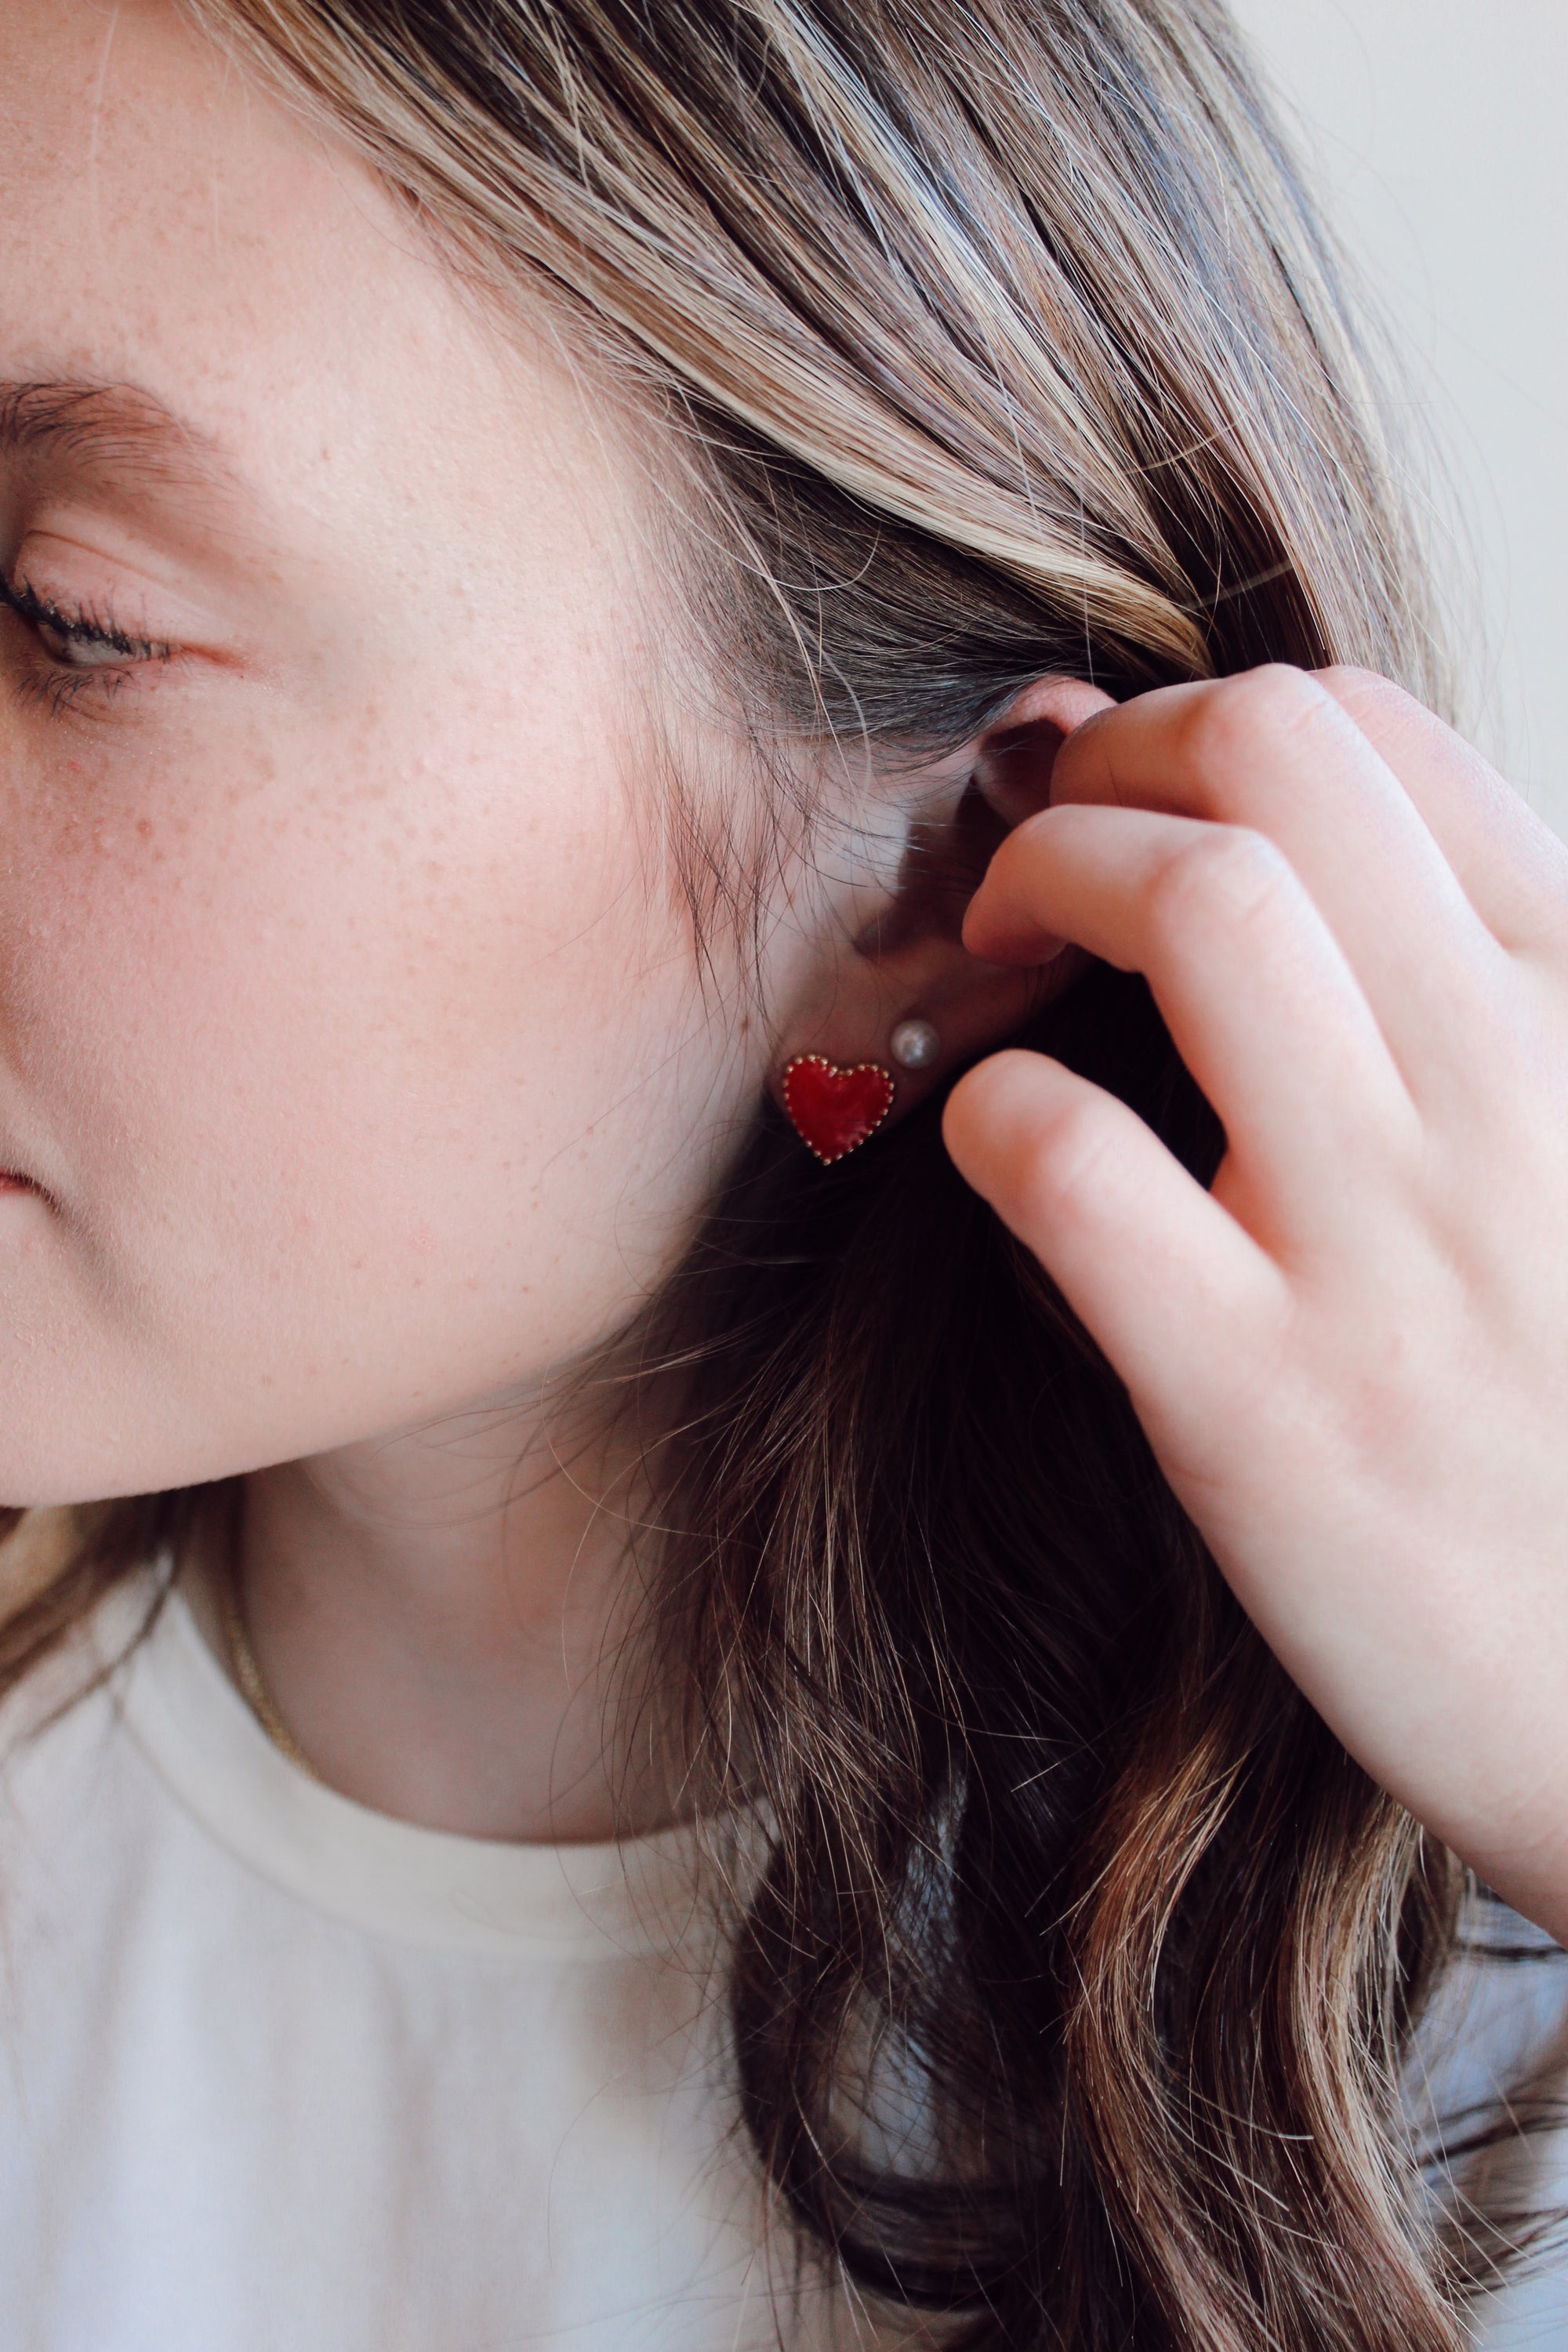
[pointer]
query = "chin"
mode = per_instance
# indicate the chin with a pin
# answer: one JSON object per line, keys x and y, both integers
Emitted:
{"x": 58, "y": 1451}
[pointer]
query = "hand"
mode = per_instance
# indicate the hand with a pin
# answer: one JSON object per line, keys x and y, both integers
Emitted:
{"x": 1351, "y": 1356}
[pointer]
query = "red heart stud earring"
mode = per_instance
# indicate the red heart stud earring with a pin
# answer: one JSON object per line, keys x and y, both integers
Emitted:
{"x": 833, "y": 1110}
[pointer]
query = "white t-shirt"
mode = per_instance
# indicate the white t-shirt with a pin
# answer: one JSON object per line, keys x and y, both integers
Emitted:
{"x": 278, "y": 2074}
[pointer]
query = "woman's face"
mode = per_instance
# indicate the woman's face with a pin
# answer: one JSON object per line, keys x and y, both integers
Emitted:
{"x": 352, "y": 1049}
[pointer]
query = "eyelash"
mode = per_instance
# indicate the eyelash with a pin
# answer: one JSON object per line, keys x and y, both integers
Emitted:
{"x": 61, "y": 687}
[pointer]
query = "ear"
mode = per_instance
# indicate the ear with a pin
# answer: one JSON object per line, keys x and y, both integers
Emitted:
{"x": 908, "y": 961}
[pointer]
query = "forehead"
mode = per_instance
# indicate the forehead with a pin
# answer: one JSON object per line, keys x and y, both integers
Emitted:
{"x": 173, "y": 230}
{"x": 165, "y": 221}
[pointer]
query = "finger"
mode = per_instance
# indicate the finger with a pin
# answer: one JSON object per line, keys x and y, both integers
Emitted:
{"x": 1167, "y": 1282}
{"x": 1258, "y": 998}
{"x": 1275, "y": 752}
{"x": 1512, "y": 868}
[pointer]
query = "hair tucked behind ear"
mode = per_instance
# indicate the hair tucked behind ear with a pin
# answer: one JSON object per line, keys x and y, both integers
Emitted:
{"x": 989, "y": 340}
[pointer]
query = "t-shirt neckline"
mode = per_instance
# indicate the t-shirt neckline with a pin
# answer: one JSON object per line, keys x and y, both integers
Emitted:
{"x": 388, "y": 1877}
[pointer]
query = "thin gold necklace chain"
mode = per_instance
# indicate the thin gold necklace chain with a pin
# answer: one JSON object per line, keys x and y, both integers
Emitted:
{"x": 253, "y": 1683}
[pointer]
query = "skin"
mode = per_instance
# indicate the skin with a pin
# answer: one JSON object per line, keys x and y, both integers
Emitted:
{"x": 357, "y": 1080}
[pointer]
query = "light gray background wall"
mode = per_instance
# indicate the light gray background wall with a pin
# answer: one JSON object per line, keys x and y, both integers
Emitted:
{"x": 1439, "y": 131}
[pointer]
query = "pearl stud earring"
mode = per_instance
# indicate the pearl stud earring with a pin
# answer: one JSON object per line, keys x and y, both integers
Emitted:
{"x": 914, "y": 1044}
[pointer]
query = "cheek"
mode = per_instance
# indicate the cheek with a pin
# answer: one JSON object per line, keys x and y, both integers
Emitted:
{"x": 374, "y": 1098}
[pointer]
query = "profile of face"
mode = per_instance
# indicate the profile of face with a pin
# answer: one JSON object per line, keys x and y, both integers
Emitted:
{"x": 355, "y": 1064}
{"x": 351, "y": 1064}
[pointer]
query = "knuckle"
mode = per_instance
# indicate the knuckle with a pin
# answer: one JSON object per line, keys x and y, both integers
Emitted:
{"x": 1239, "y": 719}
{"x": 1223, "y": 873}
{"x": 1068, "y": 1153}
{"x": 1282, "y": 695}
{"x": 1369, "y": 698}
{"x": 1348, "y": 677}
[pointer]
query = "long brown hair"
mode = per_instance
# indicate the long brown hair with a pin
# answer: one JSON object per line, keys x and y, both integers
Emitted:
{"x": 1072, "y": 1998}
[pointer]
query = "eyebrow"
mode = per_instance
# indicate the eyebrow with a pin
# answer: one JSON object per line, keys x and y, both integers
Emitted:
{"x": 113, "y": 429}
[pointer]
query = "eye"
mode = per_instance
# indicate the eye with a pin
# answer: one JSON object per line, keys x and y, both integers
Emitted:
{"x": 80, "y": 643}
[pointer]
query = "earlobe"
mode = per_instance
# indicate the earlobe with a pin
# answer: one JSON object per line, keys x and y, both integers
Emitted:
{"x": 835, "y": 1111}
{"x": 907, "y": 997}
